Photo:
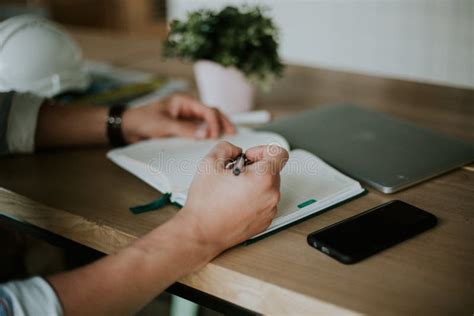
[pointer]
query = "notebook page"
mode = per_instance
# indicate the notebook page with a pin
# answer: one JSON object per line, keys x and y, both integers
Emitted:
{"x": 135, "y": 167}
{"x": 176, "y": 159}
{"x": 307, "y": 181}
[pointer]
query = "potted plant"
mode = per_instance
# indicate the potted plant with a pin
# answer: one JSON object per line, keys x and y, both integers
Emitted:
{"x": 233, "y": 49}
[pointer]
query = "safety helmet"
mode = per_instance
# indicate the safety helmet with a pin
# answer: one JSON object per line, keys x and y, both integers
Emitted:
{"x": 38, "y": 56}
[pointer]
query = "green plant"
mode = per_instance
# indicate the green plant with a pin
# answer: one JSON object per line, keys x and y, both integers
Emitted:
{"x": 244, "y": 38}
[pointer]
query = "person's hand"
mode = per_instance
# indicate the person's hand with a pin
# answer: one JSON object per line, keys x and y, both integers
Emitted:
{"x": 226, "y": 209}
{"x": 177, "y": 115}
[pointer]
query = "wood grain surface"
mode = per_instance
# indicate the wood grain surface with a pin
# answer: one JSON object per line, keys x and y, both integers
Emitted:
{"x": 81, "y": 195}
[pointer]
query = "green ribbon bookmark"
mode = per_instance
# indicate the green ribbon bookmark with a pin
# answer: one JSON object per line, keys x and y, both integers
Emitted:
{"x": 156, "y": 204}
{"x": 306, "y": 203}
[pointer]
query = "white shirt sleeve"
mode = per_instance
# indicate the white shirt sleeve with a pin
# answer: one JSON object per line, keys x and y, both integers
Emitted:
{"x": 22, "y": 119}
{"x": 30, "y": 297}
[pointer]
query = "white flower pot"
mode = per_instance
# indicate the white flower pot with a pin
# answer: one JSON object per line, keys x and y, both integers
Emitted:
{"x": 224, "y": 88}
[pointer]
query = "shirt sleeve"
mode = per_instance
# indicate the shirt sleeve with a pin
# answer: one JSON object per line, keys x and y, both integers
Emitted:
{"x": 22, "y": 122}
{"x": 5, "y": 106}
{"x": 18, "y": 118}
{"x": 30, "y": 297}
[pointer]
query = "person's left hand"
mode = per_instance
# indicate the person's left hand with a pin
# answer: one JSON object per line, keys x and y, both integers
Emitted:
{"x": 177, "y": 115}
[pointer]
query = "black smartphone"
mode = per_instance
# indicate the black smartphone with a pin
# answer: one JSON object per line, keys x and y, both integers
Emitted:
{"x": 372, "y": 231}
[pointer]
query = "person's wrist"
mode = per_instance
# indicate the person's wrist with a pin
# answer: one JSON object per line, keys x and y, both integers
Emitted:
{"x": 129, "y": 126}
{"x": 185, "y": 238}
{"x": 189, "y": 225}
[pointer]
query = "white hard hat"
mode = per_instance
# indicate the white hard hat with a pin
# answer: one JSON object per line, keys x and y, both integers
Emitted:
{"x": 38, "y": 56}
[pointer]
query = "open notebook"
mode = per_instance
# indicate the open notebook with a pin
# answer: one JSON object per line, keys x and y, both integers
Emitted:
{"x": 308, "y": 184}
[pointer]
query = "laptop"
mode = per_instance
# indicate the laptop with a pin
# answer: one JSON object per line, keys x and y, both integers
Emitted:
{"x": 384, "y": 152}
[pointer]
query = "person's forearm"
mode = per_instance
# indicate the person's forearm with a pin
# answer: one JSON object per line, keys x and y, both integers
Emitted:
{"x": 70, "y": 126}
{"x": 124, "y": 282}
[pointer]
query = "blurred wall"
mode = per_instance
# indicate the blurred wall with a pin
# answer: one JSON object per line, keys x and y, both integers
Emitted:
{"x": 422, "y": 40}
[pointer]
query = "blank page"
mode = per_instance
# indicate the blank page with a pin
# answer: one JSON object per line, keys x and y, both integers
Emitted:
{"x": 306, "y": 178}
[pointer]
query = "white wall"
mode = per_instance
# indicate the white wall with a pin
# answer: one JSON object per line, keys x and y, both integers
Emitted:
{"x": 423, "y": 40}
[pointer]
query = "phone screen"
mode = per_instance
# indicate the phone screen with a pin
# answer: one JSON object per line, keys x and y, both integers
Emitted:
{"x": 365, "y": 234}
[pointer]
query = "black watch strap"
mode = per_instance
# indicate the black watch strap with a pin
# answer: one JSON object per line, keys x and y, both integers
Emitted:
{"x": 114, "y": 125}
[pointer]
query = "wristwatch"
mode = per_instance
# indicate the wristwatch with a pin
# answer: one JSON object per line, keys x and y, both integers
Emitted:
{"x": 114, "y": 125}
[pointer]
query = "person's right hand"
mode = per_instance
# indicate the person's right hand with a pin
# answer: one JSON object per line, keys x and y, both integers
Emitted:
{"x": 226, "y": 209}
{"x": 221, "y": 211}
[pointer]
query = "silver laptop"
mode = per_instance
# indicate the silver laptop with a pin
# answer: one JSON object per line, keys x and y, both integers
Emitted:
{"x": 384, "y": 152}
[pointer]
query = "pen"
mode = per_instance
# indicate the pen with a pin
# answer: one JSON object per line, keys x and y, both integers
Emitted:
{"x": 252, "y": 117}
{"x": 239, "y": 164}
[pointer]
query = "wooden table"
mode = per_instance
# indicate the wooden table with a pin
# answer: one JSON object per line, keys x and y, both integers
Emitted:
{"x": 82, "y": 196}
